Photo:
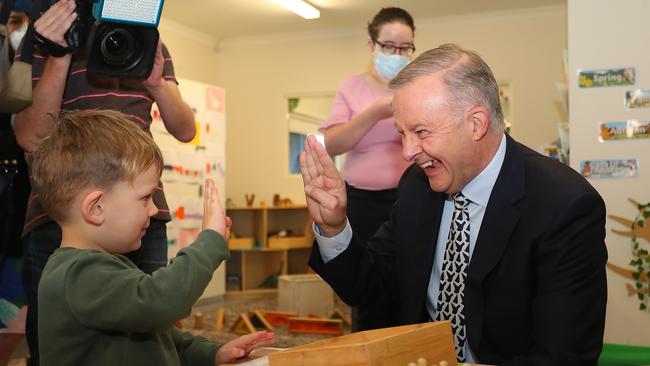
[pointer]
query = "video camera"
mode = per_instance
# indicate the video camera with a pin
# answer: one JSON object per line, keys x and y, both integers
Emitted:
{"x": 120, "y": 36}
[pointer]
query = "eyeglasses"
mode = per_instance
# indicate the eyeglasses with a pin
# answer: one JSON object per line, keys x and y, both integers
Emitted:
{"x": 391, "y": 49}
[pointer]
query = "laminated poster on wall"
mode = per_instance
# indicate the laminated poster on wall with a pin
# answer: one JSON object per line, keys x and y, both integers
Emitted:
{"x": 624, "y": 130}
{"x": 637, "y": 98}
{"x": 607, "y": 169}
{"x": 596, "y": 78}
{"x": 215, "y": 166}
{"x": 187, "y": 164}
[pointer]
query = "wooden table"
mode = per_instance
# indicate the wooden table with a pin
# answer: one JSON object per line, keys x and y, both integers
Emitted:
{"x": 257, "y": 358}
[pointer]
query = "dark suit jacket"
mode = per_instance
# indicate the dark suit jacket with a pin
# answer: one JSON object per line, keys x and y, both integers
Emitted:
{"x": 536, "y": 289}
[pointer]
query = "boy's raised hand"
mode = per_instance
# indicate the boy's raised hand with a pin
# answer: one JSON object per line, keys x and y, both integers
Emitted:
{"x": 214, "y": 217}
{"x": 242, "y": 346}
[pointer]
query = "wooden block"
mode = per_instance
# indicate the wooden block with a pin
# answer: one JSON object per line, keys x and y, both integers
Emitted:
{"x": 338, "y": 314}
{"x": 315, "y": 316}
{"x": 304, "y": 294}
{"x": 277, "y": 318}
{"x": 316, "y": 326}
{"x": 259, "y": 322}
{"x": 219, "y": 319}
{"x": 289, "y": 242}
{"x": 198, "y": 321}
{"x": 242, "y": 325}
{"x": 241, "y": 243}
{"x": 388, "y": 346}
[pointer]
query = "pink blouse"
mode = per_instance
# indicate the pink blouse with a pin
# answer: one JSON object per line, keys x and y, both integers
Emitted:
{"x": 375, "y": 162}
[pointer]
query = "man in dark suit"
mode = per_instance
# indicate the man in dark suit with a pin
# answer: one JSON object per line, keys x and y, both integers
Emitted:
{"x": 504, "y": 242}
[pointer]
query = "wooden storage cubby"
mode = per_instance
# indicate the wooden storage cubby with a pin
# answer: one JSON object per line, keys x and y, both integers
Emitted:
{"x": 256, "y": 254}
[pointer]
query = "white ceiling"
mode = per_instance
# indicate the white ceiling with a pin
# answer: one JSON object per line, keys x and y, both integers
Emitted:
{"x": 228, "y": 19}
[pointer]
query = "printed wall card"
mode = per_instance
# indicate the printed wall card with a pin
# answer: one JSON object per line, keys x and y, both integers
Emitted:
{"x": 618, "y": 168}
{"x": 606, "y": 77}
{"x": 625, "y": 130}
{"x": 637, "y": 98}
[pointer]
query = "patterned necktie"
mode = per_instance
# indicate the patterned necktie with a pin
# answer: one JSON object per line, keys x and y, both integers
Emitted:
{"x": 454, "y": 272}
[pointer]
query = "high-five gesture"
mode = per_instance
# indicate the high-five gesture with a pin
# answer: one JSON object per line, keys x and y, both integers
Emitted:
{"x": 214, "y": 217}
{"x": 324, "y": 188}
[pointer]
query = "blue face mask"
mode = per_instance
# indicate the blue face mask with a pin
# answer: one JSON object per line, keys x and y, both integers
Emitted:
{"x": 388, "y": 66}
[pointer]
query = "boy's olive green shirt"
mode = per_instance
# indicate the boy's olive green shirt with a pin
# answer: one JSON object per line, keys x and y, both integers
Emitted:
{"x": 96, "y": 308}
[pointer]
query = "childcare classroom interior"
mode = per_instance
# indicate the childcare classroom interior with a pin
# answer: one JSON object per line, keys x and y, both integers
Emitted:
{"x": 285, "y": 99}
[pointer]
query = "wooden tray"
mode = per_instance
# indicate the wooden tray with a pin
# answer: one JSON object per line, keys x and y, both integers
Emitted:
{"x": 380, "y": 347}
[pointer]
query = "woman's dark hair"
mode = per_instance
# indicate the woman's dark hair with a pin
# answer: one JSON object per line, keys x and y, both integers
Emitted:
{"x": 389, "y": 15}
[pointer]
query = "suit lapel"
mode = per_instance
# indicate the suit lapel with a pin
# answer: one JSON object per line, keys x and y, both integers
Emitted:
{"x": 498, "y": 223}
{"x": 420, "y": 260}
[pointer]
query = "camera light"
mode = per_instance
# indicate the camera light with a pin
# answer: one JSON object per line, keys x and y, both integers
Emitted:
{"x": 137, "y": 12}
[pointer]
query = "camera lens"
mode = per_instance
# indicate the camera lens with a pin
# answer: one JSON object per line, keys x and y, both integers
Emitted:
{"x": 118, "y": 47}
{"x": 121, "y": 50}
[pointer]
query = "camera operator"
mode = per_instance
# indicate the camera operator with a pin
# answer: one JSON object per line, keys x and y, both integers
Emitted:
{"x": 63, "y": 83}
{"x": 14, "y": 186}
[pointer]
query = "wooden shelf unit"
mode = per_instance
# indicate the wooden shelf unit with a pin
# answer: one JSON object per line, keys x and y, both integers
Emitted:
{"x": 254, "y": 255}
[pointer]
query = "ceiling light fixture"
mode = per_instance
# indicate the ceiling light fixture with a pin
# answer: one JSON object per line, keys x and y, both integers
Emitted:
{"x": 300, "y": 7}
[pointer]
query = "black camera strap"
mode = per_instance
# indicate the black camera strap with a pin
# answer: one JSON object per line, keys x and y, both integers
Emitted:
{"x": 46, "y": 46}
{"x": 49, "y": 47}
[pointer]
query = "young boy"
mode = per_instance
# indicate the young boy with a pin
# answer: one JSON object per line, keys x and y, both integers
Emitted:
{"x": 96, "y": 172}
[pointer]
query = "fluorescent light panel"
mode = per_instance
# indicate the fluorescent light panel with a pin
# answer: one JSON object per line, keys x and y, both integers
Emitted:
{"x": 300, "y": 7}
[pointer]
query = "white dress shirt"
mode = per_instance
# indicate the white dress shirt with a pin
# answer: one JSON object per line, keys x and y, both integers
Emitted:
{"x": 478, "y": 191}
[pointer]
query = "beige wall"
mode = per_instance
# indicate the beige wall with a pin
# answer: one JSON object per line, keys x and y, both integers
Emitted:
{"x": 524, "y": 48}
{"x": 193, "y": 52}
{"x": 591, "y": 26}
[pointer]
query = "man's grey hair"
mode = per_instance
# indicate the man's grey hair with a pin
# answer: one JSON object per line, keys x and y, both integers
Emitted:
{"x": 466, "y": 76}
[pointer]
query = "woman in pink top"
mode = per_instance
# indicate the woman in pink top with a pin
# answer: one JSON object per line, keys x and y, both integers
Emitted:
{"x": 361, "y": 124}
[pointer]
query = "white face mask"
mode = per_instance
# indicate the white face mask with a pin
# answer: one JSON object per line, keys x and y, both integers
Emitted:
{"x": 16, "y": 36}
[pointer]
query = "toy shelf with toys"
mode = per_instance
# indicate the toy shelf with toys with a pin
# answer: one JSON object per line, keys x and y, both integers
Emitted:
{"x": 266, "y": 242}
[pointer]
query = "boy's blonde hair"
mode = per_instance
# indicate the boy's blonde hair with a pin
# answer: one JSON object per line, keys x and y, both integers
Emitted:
{"x": 89, "y": 149}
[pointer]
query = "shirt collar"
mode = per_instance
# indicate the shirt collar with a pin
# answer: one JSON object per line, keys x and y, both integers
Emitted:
{"x": 478, "y": 190}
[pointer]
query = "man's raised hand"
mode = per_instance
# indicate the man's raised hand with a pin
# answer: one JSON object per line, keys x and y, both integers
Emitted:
{"x": 324, "y": 188}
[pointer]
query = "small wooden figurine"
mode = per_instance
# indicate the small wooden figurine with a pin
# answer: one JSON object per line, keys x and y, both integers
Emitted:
{"x": 250, "y": 199}
{"x": 281, "y": 202}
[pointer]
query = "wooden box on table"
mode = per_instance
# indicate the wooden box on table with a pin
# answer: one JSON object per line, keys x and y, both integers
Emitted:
{"x": 380, "y": 347}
